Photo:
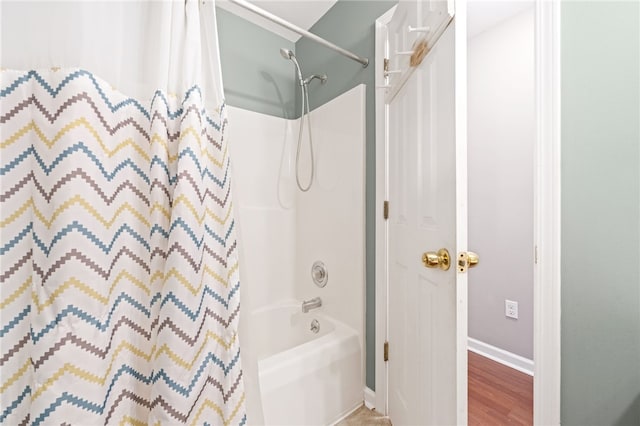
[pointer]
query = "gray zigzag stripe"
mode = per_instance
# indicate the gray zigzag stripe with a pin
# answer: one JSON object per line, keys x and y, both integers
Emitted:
{"x": 68, "y": 178}
{"x": 16, "y": 266}
{"x": 73, "y": 339}
{"x": 15, "y": 349}
{"x": 75, "y": 254}
{"x": 159, "y": 401}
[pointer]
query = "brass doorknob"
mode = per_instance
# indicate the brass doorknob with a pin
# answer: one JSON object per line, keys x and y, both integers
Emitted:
{"x": 439, "y": 259}
{"x": 472, "y": 258}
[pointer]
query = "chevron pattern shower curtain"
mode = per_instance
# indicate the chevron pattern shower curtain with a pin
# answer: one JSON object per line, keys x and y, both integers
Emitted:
{"x": 119, "y": 265}
{"x": 119, "y": 286}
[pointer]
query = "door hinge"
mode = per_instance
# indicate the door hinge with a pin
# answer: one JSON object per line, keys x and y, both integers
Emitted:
{"x": 386, "y": 67}
{"x": 386, "y": 351}
{"x": 385, "y": 210}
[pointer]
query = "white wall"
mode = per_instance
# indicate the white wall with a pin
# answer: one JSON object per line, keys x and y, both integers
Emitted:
{"x": 501, "y": 142}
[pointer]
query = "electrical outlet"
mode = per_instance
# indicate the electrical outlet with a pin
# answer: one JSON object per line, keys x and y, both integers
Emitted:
{"x": 511, "y": 309}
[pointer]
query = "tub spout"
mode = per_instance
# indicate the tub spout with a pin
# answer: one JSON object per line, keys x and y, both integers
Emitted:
{"x": 314, "y": 303}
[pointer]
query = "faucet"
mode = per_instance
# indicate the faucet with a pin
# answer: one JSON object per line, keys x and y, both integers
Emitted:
{"x": 314, "y": 303}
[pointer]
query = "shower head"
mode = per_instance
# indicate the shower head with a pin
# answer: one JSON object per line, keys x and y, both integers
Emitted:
{"x": 288, "y": 54}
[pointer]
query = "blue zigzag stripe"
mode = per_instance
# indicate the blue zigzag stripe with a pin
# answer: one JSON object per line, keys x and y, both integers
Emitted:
{"x": 233, "y": 291}
{"x": 72, "y": 76}
{"x": 152, "y": 378}
{"x": 185, "y": 152}
{"x": 203, "y": 172}
{"x": 89, "y": 319}
{"x": 179, "y": 111}
{"x": 76, "y": 147}
{"x": 15, "y": 240}
{"x": 213, "y": 235}
{"x": 193, "y": 315}
{"x": 25, "y": 392}
{"x": 76, "y": 226}
{"x": 7, "y": 328}
{"x": 102, "y": 326}
{"x": 179, "y": 222}
{"x": 226, "y": 236}
{"x": 81, "y": 147}
{"x": 71, "y": 399}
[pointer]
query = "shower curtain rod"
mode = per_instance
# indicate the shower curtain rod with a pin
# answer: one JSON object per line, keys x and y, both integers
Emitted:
{"x": 288, "y": 25}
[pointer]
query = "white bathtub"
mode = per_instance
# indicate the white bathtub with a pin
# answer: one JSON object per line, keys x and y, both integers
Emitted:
{"x": 305, "y": 378}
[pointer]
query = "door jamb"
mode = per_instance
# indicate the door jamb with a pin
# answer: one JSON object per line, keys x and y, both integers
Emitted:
{"x": 380, "y": 222}
{"x": 546, "y": 282}
{"x": 546, "y": 216}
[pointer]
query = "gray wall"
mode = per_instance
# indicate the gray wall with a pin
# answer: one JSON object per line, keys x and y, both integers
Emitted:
{"x": 350, "y": 24}
{"x": 501, "y": 108}
{"x": 255, "y": 76}
{"x": 600, "y": 56}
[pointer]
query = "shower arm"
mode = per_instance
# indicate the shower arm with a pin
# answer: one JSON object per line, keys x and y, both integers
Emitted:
{"x": 322, "y": 78}
{"x": 288, "y": 25}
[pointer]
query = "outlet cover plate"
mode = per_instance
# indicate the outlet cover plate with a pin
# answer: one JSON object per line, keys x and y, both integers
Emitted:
{"x": 511, "y": 309}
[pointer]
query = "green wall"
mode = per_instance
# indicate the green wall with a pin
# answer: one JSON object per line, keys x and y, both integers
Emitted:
{"x": 255, "y": 76}
{"x": 351, "y": 25}
{"x": 600, "y": 56}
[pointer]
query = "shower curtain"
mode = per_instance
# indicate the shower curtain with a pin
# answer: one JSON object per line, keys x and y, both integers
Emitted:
{"x": 119, "y": 278}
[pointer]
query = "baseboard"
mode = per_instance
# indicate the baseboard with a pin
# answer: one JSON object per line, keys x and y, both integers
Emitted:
{"x": 347, "y": 414}
{"x": 369, "y": 398}
{"x": 509, "y": 359}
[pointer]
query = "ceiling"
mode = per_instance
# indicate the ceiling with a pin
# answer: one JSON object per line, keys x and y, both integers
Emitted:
{"x": 483, "y": 14}
{"x": 303, "y": 13}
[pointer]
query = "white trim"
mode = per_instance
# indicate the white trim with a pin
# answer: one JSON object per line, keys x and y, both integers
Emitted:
{"x": 507, "y": 358}
{"x": 381, "y": 224}
{"x": 462, "y": 209}
{"x": 369, "y": 398}
{"x": 546, "y": 293}
{"x": 347, "y": 414}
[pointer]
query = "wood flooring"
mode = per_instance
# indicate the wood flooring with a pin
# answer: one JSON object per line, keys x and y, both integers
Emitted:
{"x": 498, "y": 395}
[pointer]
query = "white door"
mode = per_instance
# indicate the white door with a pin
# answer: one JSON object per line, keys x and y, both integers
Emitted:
{"x": 427, "y": 317}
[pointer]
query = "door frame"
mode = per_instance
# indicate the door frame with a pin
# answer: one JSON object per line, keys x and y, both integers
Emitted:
{"x": 546, "y": 217}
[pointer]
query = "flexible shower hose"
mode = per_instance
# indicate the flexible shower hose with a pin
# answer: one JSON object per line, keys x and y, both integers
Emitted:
{"x": 305, "y": 99}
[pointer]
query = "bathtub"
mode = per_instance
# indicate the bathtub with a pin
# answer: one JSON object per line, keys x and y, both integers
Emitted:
{"x": 305, "y": 378}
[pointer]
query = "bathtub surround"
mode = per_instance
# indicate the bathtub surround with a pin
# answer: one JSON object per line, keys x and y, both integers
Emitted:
{"x": 350, "y": 24}
{"x": 264, "y": 202}
{"x": 600, "y": 213}
{"x": 282, "y": 232}
{"x": 330, "y": 216}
